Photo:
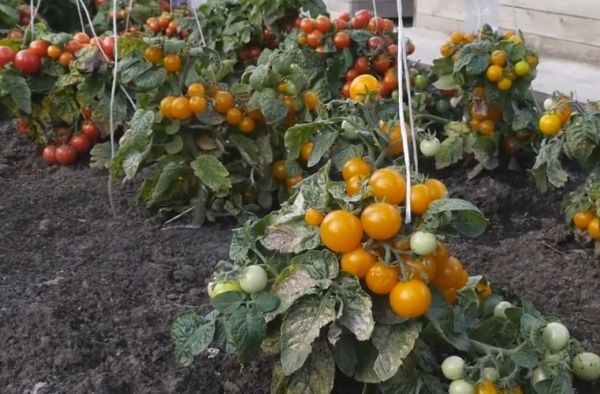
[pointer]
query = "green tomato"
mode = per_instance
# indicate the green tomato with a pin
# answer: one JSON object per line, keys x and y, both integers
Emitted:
{"x": 500, "y": 309}
{"x": 537, "y": 375}
{"x": 586, "y": 366}
{"x": 429, "y": 147}
{"x": 350, "y": 131}
{"x": 290, "y": 88}
{"x": 421, "y": 82}
{"x": 460, "y": 387}
{"x": 555, "y": 336}
{"x": 442, "y": 106}
{"x": 253, "y": 279}
{"x": 423, "y": 243}
{"x": 214, "y": 289}
{"x": 396, "y": 94}
{"x": 453, "y": 367}
{"x": 490, "y": 374}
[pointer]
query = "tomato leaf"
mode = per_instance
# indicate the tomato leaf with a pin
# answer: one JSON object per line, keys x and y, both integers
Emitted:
{"x": 560, "y": 384}
{"x": 292, "y": 283}
{"x": 293, "y": 237}
{"x": 247, "y": 328}
{"x": 357, "y": 315}
{"x": 151, "y": 79}
{"x": 450, "y": 152}
{"x": 547, "y": 167}
{"x": 394, "y": 343}
{"x": 342, "y": 152}
{"x": 135, "y": 147}
{"x": 466, "y": 218}
{"x": 247, "y": 148}
{"x": 441, "y": 319}
{"x": 191, "y": 334}
{"x": 174, "y": 146}
{"x": 228, "y": 302}
{"x": 100, "y": 155}
{"x": 212, "y": 173}
{"x": 313, "y": 188}
{"x": 322, "y": 144}
{"x": 272, "y": 109}
{"x": 169, "y": 174}
{"x": 265, "y": 301}
{"x": 316, "y": 375}
{"x": 301, "y": 326}
{"x": 296, "y": 136}
{"x": 18, "y": 89}
{"x": 345, "y": 354}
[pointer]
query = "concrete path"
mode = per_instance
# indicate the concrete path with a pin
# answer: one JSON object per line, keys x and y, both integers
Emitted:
{"x": 582, "y": 79}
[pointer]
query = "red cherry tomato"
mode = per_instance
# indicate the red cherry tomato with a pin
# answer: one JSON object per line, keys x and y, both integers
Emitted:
{"x": 90, "y": 130}
{"x": 49, "y": 154}
{"x": 27, "y": 62}
{"x": 65, "y": 155}
{"x": 7, "y": 55}
{"x": 81, "y": 143}
{"x": 39, "y": 47}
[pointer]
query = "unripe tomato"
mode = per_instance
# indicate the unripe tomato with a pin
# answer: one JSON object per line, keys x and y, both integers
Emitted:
{"x": 460, "y": 387}
{"x": 500, "y": 309}
{"x": 388, "y": 185}
{"x": 357, "y": 262}
{"x": 341, "y": 231}
{"x": 253, "y": 279}
{"x": 215, "y": 289}
{"x": 28, "y": 62}
{"x": 490, "y": 374}
{"x": 65, "y": 155}
{"x": 522, "y": 68}
{"x": 555, "y": 336}
{"x": 586, "y": 366}
{"x": 381, "y": 278}
{"x": 381, "y": 221}
{"x": 410, "y": 299}
{"x": 355, "y": 166}
{"x": 421, "y": 82}
{"x": 453, "y": 367}
{"x": 429, "y": 147}
{"x": 423, "y": 243}
{"x": 537, "y": 375}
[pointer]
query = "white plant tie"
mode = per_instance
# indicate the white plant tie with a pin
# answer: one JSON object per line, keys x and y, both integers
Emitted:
{"x": 374, "y": 3}
{"x": 89, "y": 18}
{"x": 32, "y": 14}
{"x": 199, "y": 25}
{"x": 410, "y": 108}
{"x": 80, "y": 16}
{"x": 111, "y": 110}
{"x": 401, "y": 62}
{"x": 129, "y": 7}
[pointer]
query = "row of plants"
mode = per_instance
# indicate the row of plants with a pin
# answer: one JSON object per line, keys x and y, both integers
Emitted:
{"x": 252, "y": 113}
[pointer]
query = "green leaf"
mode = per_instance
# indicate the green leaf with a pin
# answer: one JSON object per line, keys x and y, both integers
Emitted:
{"x": 174, "y": 146}
{"x": 228, "y": 302}
{"x": 313, "y": 187}
{"x": 446, "y": 82}
{"x": 316, "y": 375}
{"x": 247, "y": 148}
{"x": 393, "y": 343}
{"x": 135, "y": 147}
{"x": 212, "y": 173}
{"x": 321, "y": 264}
{"x": 560, "y": 384}
{"x": 165, "y": 181}
{"x": 292, "y": 283}
{"x": 357, "y": 313}
{"x": 247, "y": 329}
{"x": 100, "y": 155}
{"x": 191, "y": 334}
{"x": 265, "y": 301}
{"x": 441, "y": 319}
{"x": 258, "y": 78}
{"x": 272, "y": 109}
{"x": 450, "y": 152}
{"x": 301, "y": 326}
{"x": 322, "y": 145}
{"x": 345, "y": 355}
{"x": 241, "y": 243}
{"x": 342, "y": 152}
{"x": 547, "y": 166}
{"x": 151, "y": 79}
{"x": 132, "y": 68}
{"x": 296, "y": 136}
{"x": 467, "y": 219}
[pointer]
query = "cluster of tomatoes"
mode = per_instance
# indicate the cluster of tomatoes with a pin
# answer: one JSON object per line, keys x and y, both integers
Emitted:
{"x": 483, "y": 116}
{"x": 167, "y": 24}
{"x": 588, "y": 221}
{"x": 558, "y": 112}
{"x": 66, "y": 147}
{"x": 252, "y": 51}
{"x": 172, "y": 62}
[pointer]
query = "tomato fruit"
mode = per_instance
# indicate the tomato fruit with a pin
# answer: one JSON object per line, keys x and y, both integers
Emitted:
{"x": 581, "y": 220}
{"x": 498, "y": 58}
{"x": 486, "y": 387}
{"x": 361, "y": 19}
{"x": 279, "y": 170}
{"x": 215, "y": 289}
{"x": 196, "y": 89}
{"x": 549, "y": 124}
{"x": 81, "y": 143}
{"x": 65, "y": 155}
{"x": 420, "y": 199}
{"x": 234, "y": 116}
{"x": 421, "y": 82}
{"x": 522, "y": 68}
{"x": 363, "y": 86}
{"x": 381, "y": 278}
{"x": 361, "y": 65}
{"x": 382, "y": 63}
{"x": 375, "y": 42}
{"x": 460, "y": 387}
{"x": 487, "y": 127}
{"x": 500, "y": 309}
{"x": 504, "y": 84}
{"x": 586, "y": 366}
{"x": 357, "y": 262}
{"x": 388, "y": 185}
{"x": 7, "y": 55}
{"x": 355, "y": 166}
{"x": 65, "y": 59}
{"x": 429, "y": 147}
{"x": 494, "y": 73}
{"x": 247, "y": 125}
{"x": 28, "y": 62}
{"x": 108, "y": 46}
{"x": 490, "y": 374}
{"x": 353, "y": 185}
{"x": 437, "y": 189}
{"x": 341, "y": 40}
{"x": 442, "y": 106}
{"x": 450, "y": 274}
{"x": 314, "y": 38}
{"x": 323, "y": 24}
{"x": 307, "y": 25}
{"x": 410, "y": 299}
{"x": 49, "y": 154}
{"x": 341, "y": 231}
{"x": 23, "y": 125}
{"x": 423, "y": 243}
{"x": 381, "y": 221}
{"x": 198, "y": 104}
{"x": 538, "y": 375}
{"x": 224, "y": 101}
{"x": 172, "y": 63}
{"x": 181, "y": 109}
{"x": 312, "y": 217}
{"x": 90, "y": 130}
{"x": 253, "y": 279}
{"x": 153, "y": 55}
{"x": 83, "y": 38}
{"x": 453, "y": 367}
{"x": 594, "y": 228}
{"x": 555, "y": 336}
{"x": 306, "y": 151}
{"x": 311, "y": 100}
{"x": 39, "y": 47}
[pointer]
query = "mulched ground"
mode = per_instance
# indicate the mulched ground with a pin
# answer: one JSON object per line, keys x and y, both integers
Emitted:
{"x": 86, "y": 299}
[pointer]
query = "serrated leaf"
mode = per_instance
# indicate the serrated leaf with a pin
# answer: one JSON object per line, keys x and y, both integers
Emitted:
{"x": 292, "y": 237}
{"x": 174, "y": 146}
{"x": 265, "y": 301}
{"x": 393, "y": 343}
{"x": 247, "y": 329}
{"x": 212, "y": 173}
{"x": 322, "y": 145}
{"x": 301, "y": 326}
{"x": 191, "y": 334}
{"x": 247, "y": 148}
{"x": 316, "y": 375}
{"x": 357, "y": 315}
{"x": 450, "y": 152}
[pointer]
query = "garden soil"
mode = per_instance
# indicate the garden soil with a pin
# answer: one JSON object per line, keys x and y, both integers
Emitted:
{"x": 87, "y": 298}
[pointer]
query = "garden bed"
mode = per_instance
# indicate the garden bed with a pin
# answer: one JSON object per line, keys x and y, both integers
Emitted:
{"x": 88, "y": 299}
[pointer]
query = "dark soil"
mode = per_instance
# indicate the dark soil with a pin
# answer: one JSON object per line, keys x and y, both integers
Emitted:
{"x": 86, "y": 299}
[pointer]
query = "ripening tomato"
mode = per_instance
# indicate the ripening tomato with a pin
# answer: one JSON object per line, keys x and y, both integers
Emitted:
{"x": 198, "y": 104}
{"x": 521, "y": 68}
{"x": 396, "y": 145}
{"x": 341, "y": 231}
{"x": 65, "y": 155}
{"x": 307, "y": 25}
{"x": 381, "y": 220}
{"x": 86, "y": 112}
{"x": 306, "y": 151}
{"x": 355, "y": 166}
{"x": 498, "y": 58}
{"x": 361, "y": 18}
{"x": 382, "y": 63}
{"x": 341, "y": 40}
{"x": 363, "y": 86}
{"x": 165, "y": 106}
{"x": 81, "y": 143}
{"x": 53, "y": 52}
{"x": 108, "y": 46}
{"x": 381, "y": 278}
{"x": 65, "y": 59}
{"x": 172, "y": 62}
{"x": 357, "y": 262}
{"x": 311, "y": 100}
{"x": 153, "y": 55}
{"x": 594, "y": 228}
{"x": 437, "y": 189}
{"x": 49, "y": 154}
{"x": 483, "y": 289}
{"x": 279, "y": 170}
{"x": 353, "y": 185}
{"x": 581, "y": 220}
{"x": 293, "y": 181}
{"x": 7, "y": 55}
{"x": 410, "y": 299}
{"x": 346, "y": 90}
{"x": 39, "y": 47}
{"x": 390, "y": 79}
{"x": 90, "y": 130}
{"x": 83, "y": 38}
{"x": 73, "y": 47}
{"x": 420, "y": 199}
{"x": 224, "y": 101}
{"x": 323, "y": 24}
{"x": 312, "y": 217}
{"x": 388, "y": 185}
{"x": 27, "y": 62}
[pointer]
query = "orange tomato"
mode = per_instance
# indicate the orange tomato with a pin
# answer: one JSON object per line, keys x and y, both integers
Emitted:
{"x": 181, "y": 109}
{"x": 196, "y": 89}
{"x": 306, "y": 151}
{"x": 450, "y": 275}
{"x": 581, "y": 220}
{"x": 353, "y": 185}
{"x": 357, "y": 262}
{"x": 247, "y": 125}
{"x": 53, "y": 52}
{"x": 381, "y": 278}
{"x": 498, "y": 58}
{"x": 153, "y": 55}
{"x": 437, "y": 189}
{"x": 279, "y": 170}
{"x": 234, "y": 116}
{"x": 363, "y": 86}
{"x": 293, "y": 181}
{"x": 494, "y": 73}
{"x": 410, "y": 299}
{"x": 198, "y": 104}
{"x": 423, "y": 268}
{"x": 381, "y": 220}
{"x": 172, "y": 63}
{"x": 341, "y": 231}
{"x": 487, "y": 127}
{"x": 165, "y": 106}
{"x": 65, "y": 59}
{"x": 387, "y": 184}
{"x": 312, "y": 217}
{"x": 486, "y": 387}
{"x": 594, "y": 228}
{"x": 449, "y": 294}
{"x": 311, "y": 100}
{"x": 224, "y": 101}
{"x": 355, "y": 166}
{"x": 420, "y": 199}
{"x": 456, "y": 37}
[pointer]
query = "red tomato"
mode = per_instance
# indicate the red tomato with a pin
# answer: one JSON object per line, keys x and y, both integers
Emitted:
{"x": 361, "y": 65}
{"x": 15, "y": 35}
{"x": 73, "y": 47}
{"x": 314, "y": 38}
{"x": 49, "y": 154}
{"x": 382, "y": 63}
{"x": 23, "y": 126}
{"x": 392, "y": 49}
{"x": 39, "y": 47}
{"x": 90, "y": 130}
{"x": 323, "y": 24}
{"x": 351, "y": 74}
{"x": 86, "y": 112}
{"x": 341, "y": 24}
{"x": 341, "y": 40}
{"x": 108, "y": 45}
{"x": 346, "y": 89}
{"x": 65, "y": 155}
{"x": 254, "y": 52}
{"x": 81, "y": 143}
{"x": 83, "y": 38}
{"x": 27, "y": 62}
{"x": 375, "y": 42}
{"x": 95, "y": 41}
{"x": 345, "y": 16}
{"x": 361, "y": 18}
{"x": 7, "y": 55}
